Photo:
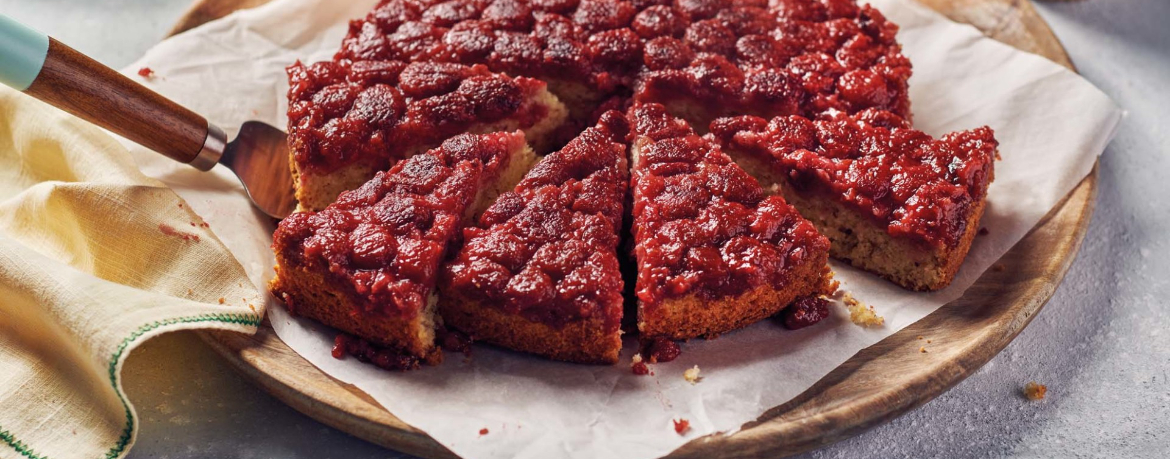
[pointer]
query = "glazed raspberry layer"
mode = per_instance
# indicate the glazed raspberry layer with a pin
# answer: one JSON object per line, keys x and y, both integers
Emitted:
{"x": 547, "y": 250}
{"x": 384, "y": 240}
{"x": 809, "y": 57}
{"x": 805, "y": 57}
{"x": 702, "y": 225}
{"x": 373, "y": 111}
{"x": 915, "y": 186}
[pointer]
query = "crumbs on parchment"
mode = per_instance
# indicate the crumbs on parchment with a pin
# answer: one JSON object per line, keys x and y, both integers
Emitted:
{"x": 861, "y": 314}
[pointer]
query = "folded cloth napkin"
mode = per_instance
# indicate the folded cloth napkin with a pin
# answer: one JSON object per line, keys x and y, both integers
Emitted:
{"x": 95, "y": 258}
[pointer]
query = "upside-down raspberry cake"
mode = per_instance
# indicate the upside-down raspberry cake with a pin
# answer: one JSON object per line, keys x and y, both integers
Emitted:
{"x": 761, "y": 137}
{"x": 714, "y": 252}
{"x": 892, "y": 200}
{"x": 540, "y": 273}
{"x": 368, "y": 264}
{"x": 348, "y": 120}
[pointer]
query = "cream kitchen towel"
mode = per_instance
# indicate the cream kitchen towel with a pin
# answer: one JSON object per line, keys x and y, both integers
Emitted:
{"x": 95, "y": 258}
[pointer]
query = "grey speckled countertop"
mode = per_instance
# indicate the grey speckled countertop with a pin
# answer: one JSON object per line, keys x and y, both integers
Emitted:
{"x": 1102, "y": 345}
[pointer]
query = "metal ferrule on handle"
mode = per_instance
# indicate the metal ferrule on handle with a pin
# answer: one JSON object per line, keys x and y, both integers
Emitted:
{"x": 213, "y": 148}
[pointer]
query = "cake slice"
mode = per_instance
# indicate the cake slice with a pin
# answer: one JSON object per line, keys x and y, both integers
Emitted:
{"x": 540, "y": 272}
{"x": 368, "y": 264}
{"x": 891, "y": 199}
{"x": 714, "y": 253}
{"x": 350, "y": 119}
{"x": 781, "y": 57}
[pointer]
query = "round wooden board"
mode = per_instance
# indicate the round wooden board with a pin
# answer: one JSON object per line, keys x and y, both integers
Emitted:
{"x": 878, "y": 384}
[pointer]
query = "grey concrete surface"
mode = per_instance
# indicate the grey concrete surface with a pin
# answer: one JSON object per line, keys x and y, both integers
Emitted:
{"x": 1102, "y": 345}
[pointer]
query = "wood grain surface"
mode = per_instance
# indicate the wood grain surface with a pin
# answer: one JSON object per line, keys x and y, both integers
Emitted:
{"x": 878, "y": 384}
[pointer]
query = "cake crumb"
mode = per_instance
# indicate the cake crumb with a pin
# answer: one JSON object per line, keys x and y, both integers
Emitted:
{"x": 483, "y": 431}
{"x": 681, "y": 426}
{"x": 221, "y": 300}
{"x": 983, "y": 231}
{"x": 638, "y": 366}
{"x": 922, "y": 349}
{"x": 998, "y": 267}
{"x": 861, "y": 314}
{"x": 1035, "y": 391}
{"x": 190, "y": 292}
{"x": 455, "y": 341}
{"x": 692, "y": 375}
{"x": 660, "y": 350}
{"x": 146, "y": 72}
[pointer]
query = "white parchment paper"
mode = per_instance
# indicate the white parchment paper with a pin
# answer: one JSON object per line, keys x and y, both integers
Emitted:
{"x": 1051, "y": 124}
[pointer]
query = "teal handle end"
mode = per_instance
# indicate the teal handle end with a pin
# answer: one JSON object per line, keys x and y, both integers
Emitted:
{"x": 22, "y": 53}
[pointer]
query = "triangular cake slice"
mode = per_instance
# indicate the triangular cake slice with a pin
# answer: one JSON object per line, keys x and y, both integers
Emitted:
{"x": 714, "y": 253}
{"x": 350, "y": 119}
{"x": 368, "y": 264}
{"x": 893, "y": 200}
{"x": 540, "y": 272}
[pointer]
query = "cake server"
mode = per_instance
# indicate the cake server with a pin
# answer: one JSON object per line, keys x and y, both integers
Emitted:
{"x": 44, "y": 68}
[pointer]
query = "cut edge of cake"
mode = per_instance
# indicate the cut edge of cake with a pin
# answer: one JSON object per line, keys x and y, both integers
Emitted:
{"x": 307, "y": 293}
{"x": 861, "y": 243}
{"x": 692, "y": 316}
{"x": 857, "y": 240}
{"x": 577, "y": 342}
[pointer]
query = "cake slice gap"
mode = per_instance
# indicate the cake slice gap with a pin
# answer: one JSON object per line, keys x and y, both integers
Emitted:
{"x": 892, "y": 200}
{"x": 368, "y": 264}
{"x": 714, "y": 252}
{"x": 540, "y": 272}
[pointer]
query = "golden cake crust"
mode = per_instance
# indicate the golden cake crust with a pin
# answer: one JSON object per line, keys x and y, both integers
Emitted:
{"x": 581, "y": 341}
{"x": 692, "y": 316}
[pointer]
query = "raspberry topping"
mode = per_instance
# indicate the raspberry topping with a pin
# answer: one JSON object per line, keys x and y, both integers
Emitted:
{"x": 365, "y": 111}
{"x": 661, "y": 350}
{"x": 805, "y": 312}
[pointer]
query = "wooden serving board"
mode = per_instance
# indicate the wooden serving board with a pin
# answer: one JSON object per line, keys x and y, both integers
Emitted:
{"x": 878, "y": 384}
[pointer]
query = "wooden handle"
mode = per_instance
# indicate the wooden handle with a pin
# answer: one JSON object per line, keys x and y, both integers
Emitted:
{"x": 89, "y": 90}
